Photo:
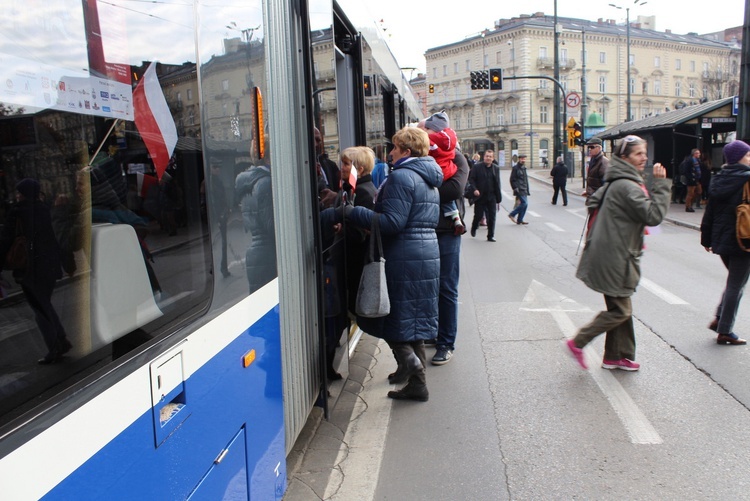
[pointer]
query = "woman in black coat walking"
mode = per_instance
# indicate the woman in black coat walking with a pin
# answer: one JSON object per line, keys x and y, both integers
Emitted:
{"x": 718, "y": 235}
{"x": 31, "y": 218}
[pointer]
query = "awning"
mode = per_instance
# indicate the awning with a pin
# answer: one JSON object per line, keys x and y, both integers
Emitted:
{"x": 665, "y": 120}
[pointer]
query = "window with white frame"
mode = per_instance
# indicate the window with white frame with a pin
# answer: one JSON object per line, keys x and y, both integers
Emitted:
{"x": 564, "y": 57}
{"x": 678, "y": 64}
{"x": 445, "y": 70}
{"x": 543, "y": 114}
{"x": 603, "y": 84}
{"x": 455, "y": 68}
{"x": 434, "y": 72}
{"x": 514, "y": 85}
{"x": 542, "y": 52}
{"x": 486, "y": 60}
{"x": 468, "y": 65}
{"x": 543, "y": 84}
{"x": 657, "y": 87}
{"x": 632, "y": 85}
{"x": 457, "y": 121}
{"x": 225, "y": 85}
{"x": 498, "y": 57}
{"x": 512, "y": 53}
{"x": 487, "y": 117}
{"x": 705, "y": 91}
{"x": 564, "y": 82}
{"x": 602, "y": 110}
{"x": 500, "y": 116}
{"x": 514, "y": 114}
{"x": 705, "y": 67}
{"x": 632, "y": 59}
{"x": 644, "y": 87}
{"x": 692, "y": 66}
{"x": 657, "y": 62}
{"x": 691, "y": 89}
{"x": 470, "y": 121}
{"x": 190, "y": 94}
{"x": 677, "y": 88}
{"x": 603, "y": 57}
{"x": 179, "y": 97}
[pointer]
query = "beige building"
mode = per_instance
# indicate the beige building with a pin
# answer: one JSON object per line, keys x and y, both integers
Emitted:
{"x": 666, "y": 71}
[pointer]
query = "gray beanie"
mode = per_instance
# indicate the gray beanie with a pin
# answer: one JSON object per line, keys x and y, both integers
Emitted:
{"x": 734, "y": 151}
{"x": 437, "y": 121}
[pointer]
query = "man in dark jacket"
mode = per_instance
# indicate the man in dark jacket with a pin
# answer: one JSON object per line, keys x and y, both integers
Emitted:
{"x": 598, "y": 165}
{"x": 485, "y": 178}
{"x": 450, "y": 249}
{"x": 519, "y": 181}
{"x": 559, "y": 175}
{"x": 690, "y": 170}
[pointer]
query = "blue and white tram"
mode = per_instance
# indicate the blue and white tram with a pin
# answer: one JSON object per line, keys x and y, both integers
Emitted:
{"x": 165, "y": 334}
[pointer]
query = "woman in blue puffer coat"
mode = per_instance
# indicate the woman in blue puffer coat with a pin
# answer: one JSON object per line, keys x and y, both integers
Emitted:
{"x": 409, "y": 206}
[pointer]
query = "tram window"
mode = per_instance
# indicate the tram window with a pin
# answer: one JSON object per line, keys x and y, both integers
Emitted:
{"x": 120, "y": 251}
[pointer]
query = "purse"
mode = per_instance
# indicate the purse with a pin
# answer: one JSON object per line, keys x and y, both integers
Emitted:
{"x": 372, "y": 295}
{"x": 17, "y": 256}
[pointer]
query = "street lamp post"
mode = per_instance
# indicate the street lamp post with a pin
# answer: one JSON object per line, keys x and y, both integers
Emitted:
{"x": 627, "y": 31}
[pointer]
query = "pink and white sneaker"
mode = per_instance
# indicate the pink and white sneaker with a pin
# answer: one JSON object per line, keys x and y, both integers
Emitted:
{"x": 577, "y": 353}
{"x": 623, "y": 364}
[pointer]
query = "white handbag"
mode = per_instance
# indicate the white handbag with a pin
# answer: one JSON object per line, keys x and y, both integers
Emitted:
{"x": 372, "y": 295}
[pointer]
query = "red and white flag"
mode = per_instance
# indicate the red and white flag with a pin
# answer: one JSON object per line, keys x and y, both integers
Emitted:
{"x": 153, "y": 120}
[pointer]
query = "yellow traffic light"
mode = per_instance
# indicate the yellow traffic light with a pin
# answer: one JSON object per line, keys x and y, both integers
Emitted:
{"x": 432, "y": 88}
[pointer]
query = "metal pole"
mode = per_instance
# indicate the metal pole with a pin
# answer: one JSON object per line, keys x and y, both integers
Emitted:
{"x": 531, "y": 131}
{"x": 584, "y": 105}
{"x": 558, "y": 102}
{"x": 627, "y": 65}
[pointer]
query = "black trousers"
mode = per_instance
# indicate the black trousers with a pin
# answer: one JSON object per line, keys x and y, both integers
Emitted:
{"x": 482, "y": 208}
{"x": 559, "y": 187}
{"x": 39, "y": 295}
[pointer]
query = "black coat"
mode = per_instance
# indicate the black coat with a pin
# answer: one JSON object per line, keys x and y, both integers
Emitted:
{"x": 481, "y": 178}
{"x": 44, "y": 263}
{"x": 519, "y": 181}
{"x": 452, "y": 189}
{"x": 718, "y": 228}
{"x": 559, "y": 174}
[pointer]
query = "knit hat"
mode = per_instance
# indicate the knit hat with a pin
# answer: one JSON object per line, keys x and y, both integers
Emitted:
{"x": 29, "y": 188}
{"x": 734, "y": 151}
{"x": 437, "y": 121}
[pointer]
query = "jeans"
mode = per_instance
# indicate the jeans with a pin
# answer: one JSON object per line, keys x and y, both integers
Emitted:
{"x": 450, "y": 250}
{"x": 521, "y": 209}
{"x": 738, "y": 268}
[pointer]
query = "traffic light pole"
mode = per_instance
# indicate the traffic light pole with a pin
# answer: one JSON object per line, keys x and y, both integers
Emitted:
{"x": 564, "y": 110}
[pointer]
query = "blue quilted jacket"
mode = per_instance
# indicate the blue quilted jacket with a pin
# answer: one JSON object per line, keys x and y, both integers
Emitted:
{"x": 408, "y": 204}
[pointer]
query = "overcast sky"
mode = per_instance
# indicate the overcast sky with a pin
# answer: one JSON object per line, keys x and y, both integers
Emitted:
{"x": 413, "y": 26}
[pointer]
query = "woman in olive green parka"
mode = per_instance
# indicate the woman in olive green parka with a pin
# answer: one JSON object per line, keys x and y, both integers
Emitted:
{"x": 610, "y": 263}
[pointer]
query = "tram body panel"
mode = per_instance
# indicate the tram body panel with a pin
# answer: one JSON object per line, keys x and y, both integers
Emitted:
{"x": 129, "y": 465}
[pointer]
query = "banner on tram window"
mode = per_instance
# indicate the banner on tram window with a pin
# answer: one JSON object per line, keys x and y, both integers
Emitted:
{"x": 44, "y": 69}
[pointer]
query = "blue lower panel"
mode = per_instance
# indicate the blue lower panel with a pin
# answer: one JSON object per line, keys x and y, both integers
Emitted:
{"x": 220, "y": 399}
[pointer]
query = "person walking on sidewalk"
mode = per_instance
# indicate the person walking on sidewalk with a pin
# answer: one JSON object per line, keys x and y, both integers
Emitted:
{"x": 610, "y": 263}
{"x": 559, "y": 175}
{"x": 690, "y": 170}
{"x": 718, "y": 235}
{"x": 519, "y": 181}
{"x": 598, "y": 166}
{"x": 485, "y": 178}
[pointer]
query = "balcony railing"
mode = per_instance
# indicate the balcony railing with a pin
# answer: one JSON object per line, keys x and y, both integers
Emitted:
{"x": 548, "y": 63}
{"x": 545, "y": 93}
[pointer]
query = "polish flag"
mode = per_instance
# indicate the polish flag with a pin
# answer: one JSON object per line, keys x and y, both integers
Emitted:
{"x": 153, "y": 120}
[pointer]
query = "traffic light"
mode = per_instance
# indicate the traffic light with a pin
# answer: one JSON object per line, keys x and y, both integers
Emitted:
{"x": 432, "y": 88}
{"x": 479, "y": 80}
{"x": 496, "y": 79}
{"x": 578, "y": 133}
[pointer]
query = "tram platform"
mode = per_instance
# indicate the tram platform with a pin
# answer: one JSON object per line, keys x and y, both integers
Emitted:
{"x": 339, "y": 458}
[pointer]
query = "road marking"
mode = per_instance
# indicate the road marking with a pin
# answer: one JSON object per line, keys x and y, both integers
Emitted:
{"x": 554, "y": 226}
{"x": 636, "y": 424}
{"x": 582, "y": 213}
{"x": 661, "y": 292}
{"x": 532, "y": 213}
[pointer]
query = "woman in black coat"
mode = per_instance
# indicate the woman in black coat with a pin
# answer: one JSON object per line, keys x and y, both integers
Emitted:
{"x": 718, "y": 235}
{"x": 31, "y": 218}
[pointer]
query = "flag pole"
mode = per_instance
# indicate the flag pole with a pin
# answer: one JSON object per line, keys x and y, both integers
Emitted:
{"x": 93, "y": 157}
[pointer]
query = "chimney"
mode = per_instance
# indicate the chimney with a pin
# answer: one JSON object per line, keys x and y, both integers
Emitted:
{"x": 668, "y": 32}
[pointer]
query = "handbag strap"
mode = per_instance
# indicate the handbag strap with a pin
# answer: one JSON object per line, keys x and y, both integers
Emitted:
{"x": 375, "y": 235}
{"x": 746, "y": 193}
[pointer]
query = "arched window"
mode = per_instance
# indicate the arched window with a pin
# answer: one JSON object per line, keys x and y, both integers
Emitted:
{"x": 544, "y": 144}
{"x": 513, "y": 144}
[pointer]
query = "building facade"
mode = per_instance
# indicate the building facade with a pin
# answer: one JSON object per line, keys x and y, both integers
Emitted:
{"x": 666, "y": 71}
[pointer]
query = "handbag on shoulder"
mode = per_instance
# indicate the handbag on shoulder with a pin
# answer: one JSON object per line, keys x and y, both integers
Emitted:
{"x": 372, "y": 295}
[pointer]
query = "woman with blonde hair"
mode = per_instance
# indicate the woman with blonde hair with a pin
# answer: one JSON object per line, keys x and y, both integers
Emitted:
{"x": 408, "y": 209}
